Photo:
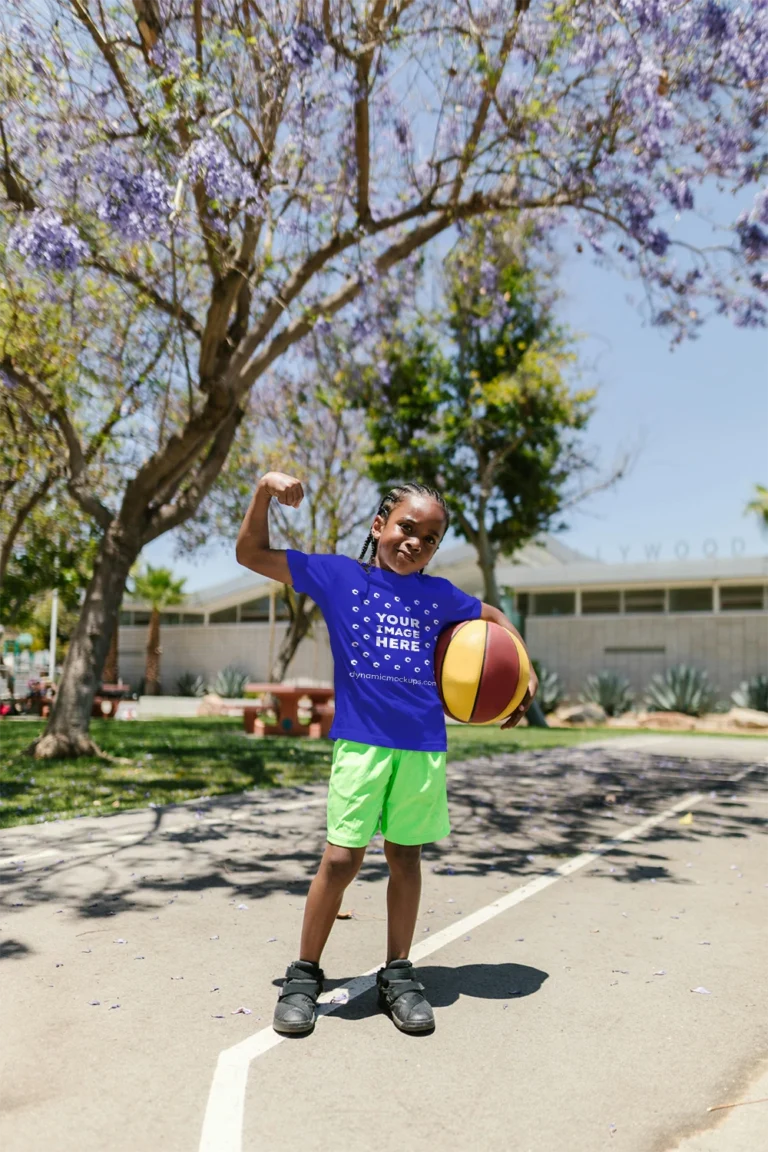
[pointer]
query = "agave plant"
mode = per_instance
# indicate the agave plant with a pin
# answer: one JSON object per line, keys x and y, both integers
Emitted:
{"x": 550, "y": 691}
{"x": 752, "y": 693}
{"x": 681, "y": 689}
{"x": 230, "y": 682}
{"x": 188, "y": 684}
{"x": 611, "y": 691}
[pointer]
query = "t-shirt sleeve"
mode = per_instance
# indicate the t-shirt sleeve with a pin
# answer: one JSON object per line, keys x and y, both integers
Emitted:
{"x": 313, "y": 574}
{"x": 460, "y": 605}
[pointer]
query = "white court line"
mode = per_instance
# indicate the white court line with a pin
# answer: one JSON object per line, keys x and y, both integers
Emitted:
{"x": 223, "y": 1120}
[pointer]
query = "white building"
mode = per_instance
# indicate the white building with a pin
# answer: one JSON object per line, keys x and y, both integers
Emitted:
{"x": 578, "y": 616}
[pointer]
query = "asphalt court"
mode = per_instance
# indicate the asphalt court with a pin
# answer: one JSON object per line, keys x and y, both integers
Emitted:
{"x": 567, "y": 1021}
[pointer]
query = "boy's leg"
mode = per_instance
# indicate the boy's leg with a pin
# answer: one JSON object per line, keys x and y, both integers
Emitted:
{"x": 400, "y": 993}
{"x": 337, "y": 870}
{"x": 295, "y": 1008}
{"x": 403, "y": 895}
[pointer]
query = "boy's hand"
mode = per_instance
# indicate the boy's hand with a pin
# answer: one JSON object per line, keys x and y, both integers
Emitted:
{"x": 285, "y": 489}
{"x": 525, "y": 703}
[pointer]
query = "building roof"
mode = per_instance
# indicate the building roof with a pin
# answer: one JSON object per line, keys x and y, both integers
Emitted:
{"x": 542, "y": 564}
{"x": 739, "y": 569}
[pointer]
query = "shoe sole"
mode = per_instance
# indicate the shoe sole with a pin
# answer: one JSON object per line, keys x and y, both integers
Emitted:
{"x": 294, "y": 1029}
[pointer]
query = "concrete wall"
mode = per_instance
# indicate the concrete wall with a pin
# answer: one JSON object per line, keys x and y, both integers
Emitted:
{"x": 206, "y": 650}
{"x": 730, "y": 646}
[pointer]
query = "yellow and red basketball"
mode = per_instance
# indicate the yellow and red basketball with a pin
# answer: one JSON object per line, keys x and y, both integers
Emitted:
{"x": 482, "y": 671}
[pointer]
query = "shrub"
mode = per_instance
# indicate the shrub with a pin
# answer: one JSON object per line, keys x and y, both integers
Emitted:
{"x": 188, "y": 684}
{"x": 610, "y": 690}
{"x": 680, "y": 689}
{"x": 752, "y": 693}
{"x": 550, "y": 691}
{"x": 230, "y": 682}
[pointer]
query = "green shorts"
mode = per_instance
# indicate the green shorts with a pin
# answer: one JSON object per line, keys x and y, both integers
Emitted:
{"x": 402, "y": 793}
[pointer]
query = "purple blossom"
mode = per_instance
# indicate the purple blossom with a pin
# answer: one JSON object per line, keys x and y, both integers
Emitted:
{"x": 304, "y": 45}
{"x": 224, "y": 178}
{"x": 714, "y": 20}
{"x": 749, "y": 313}
{"x": 658, "y": 242}
{"x": 679, "y": 194}
{"x": 759, "y": 211}
{"x": 403, "y": 135}
{"x": 48, "y": 243}
{"x": 137, "y": 204}
{"x": 754, "y": 241}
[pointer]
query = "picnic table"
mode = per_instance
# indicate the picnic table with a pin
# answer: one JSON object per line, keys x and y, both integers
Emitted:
{"x": 287, "y": 697}
{"x": 107, "y": 698}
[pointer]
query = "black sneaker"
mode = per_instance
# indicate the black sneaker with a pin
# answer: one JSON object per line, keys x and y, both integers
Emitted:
{"x": 295, "y": 1008}
{"x": 402, "y": 996}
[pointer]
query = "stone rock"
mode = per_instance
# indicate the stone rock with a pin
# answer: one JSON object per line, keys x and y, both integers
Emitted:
{"x": 626, "y": 720}
{"x": 748, "y": 718}
{"x": 211, "y": 705}
{"x": 675, "y": 721}
{"x": 580, "y": 714}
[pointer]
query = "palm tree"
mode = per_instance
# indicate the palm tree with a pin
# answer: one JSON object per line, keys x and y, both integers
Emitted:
{"x": 760, "y": 504}
{"x": 157, "y": 587}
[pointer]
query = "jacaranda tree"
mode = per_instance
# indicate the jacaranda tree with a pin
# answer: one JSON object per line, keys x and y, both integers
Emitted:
{"x": 247, "y": 169}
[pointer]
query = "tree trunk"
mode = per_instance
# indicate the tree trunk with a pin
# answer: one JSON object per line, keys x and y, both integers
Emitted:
{"x": 66, "y": 733}
{"x": 111, "y": 674}
{"x": 152, "y": 668}
{"x": 303, "y": 615}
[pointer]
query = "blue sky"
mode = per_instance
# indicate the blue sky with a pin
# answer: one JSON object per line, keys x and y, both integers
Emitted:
{"x": 696, "y": 419}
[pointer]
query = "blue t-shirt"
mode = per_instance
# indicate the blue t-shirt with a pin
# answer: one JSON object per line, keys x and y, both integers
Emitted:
{"x": 383, "y": 628}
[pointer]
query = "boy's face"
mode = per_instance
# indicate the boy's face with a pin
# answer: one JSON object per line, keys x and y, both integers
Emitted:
{"x": 408, "y": 540}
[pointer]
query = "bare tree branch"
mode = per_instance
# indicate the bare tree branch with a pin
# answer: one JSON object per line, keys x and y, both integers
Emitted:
{"x": 22, "y": 514}
{"x": 171, "y": 515}
{"x": 76, "y": 463}
{"x": 190, "y": 322}
{"x": 107, "y": 51}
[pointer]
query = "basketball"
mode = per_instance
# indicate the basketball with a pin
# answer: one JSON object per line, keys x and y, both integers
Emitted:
{"x": 482, "y": 671}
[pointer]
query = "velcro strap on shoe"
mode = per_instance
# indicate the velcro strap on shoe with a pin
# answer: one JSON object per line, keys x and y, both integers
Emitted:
{"x": 395, "y": 988}
{"x": 300, "y": 982}
{"x": 307, "y": 987}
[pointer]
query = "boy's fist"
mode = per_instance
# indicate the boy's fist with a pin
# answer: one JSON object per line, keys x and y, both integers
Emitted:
{"x": 285, "y": 489}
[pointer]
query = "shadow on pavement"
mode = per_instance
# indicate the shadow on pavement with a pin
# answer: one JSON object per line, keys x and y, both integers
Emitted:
{"x": 444, "y": 986}
{"x": 514, "y": 816}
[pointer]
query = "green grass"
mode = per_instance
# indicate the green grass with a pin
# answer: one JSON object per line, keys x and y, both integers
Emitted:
{"x": 173, "y": 760}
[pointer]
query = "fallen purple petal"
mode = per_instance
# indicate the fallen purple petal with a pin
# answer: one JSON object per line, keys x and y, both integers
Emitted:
{"x": 241, "y": 1012}
{"x": 703, "y": 991}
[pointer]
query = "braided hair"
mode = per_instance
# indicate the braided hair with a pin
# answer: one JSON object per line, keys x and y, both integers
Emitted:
{"x": 394, "y": 497}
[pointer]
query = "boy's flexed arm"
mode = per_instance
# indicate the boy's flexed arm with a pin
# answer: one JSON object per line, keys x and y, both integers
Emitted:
{"x": 498, "y": 617}
{"x": 252, "y": 549}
